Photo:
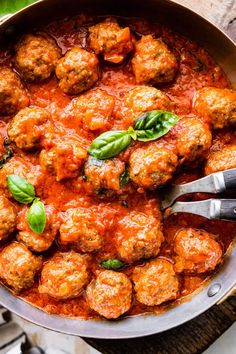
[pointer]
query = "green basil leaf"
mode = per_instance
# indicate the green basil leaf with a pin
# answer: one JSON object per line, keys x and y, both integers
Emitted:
{"x": 37, "y": 217}
{"x": 112, "y": 264}
{"x": 109, "y": 144}
{"x": 12, "y": 6}
{"x": 154, "y": 124}
{"x": 21, "y": 190}
{"x": 124, "y": 177}
{"x": 7, "y": 155}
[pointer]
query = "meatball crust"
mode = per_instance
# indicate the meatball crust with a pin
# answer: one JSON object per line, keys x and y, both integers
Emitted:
{"x": 221, "y": 160}
{"x": 111, "y": 40}
{"x": 23, "y": 168}
{"x": 217, "y": 105}
{"x": 145, "y": 98}
{"x": 104, "y": 174}
{"x": 77, "y": 71}
{"x": 196, "y": 251}
{"x": 153, "y": 166}
{"x": 110, "y": 294}
{"x": 82, "y": 229}
{"x": 27, "y": 128}
{"x": 64, "y": 159}
{"x": 138, "y": 236}
{"x": 153, "y": 62}
{"x": 93, "y": 110}
{"x": 64, "y": 276}
{"x": 18, "y": 266}
{"x": 193, "y": 138}
{"x": 36, "y": 57}
{"x": 8, "y": 216}
{"x": 155, "y": 282}
{"x": 37, "y": 242}
{"x": 13, "y": 96}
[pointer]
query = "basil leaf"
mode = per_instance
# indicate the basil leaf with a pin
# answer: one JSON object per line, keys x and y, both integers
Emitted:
{"x": 37, "y": 217}
{"x": 124, "y": 177}
{"x": 21, "y": 190}
{"x": 7, "y": 155}
{"x": 112, "y": 264}
{"x": 12, "y": 6}
{"x": 109, "y": 144}
{"x": 154, "y": 124}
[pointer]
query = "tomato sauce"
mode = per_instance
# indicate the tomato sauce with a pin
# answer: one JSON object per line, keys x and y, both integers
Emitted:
{"x": 196, "y": 69}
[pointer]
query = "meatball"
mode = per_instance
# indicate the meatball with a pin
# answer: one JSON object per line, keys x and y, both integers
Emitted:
{"x": 64, "y": 159}
{"x": 93, "y": 110}
{"x": 104, "y": 174}
{"x": 193, "y": 138}
{"x": 77, "y": 71}
{"x": 153, "y": 63}
{"x": 145, "y": 98}
{"x": 82, "y": 229}
{"x": 27, "y": 127}
{"x": 138, "y": 236}
{"x": 18, "y": 266}
{"x": 37, "y": 242}
{"x": 155, "y": 282}
{"x": 111, "y": 40}
{"x": 153, "y": 166}
{"x": 23, "y": 168}
{"x": 217, "y": 105}
{"x": 13, "y": 96}
{"x": 64, "y": 276}
{"x": 196, "y": 251}
{"x": 36, "y": 57}
{"x": 110, "y": 294}
{"x": 221, "y": 160}
{"x": 8, "y": 216}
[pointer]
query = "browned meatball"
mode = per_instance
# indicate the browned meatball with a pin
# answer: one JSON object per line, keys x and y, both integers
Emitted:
{"x": 153, "y": 166}
{"x": 193, "y": 138}
{"x": 23, "y": 168}
{"x": 77, "y": 71}
{"x": 92, "y": 110}
{"x": 110, "y": 294}
{"x": 111, "y": 40}
{"x": 13, "y": 96}
{"x": 155, "y": 282}
{"x": 28, "y": 126}
{"x": 37, "y": 242}
{"x": 36, "y": 57}
{"x": 221, "y": 160}
{"x": 7, "y": 218}
{"x": 104, "y": 174}
{"x": 81, "y": 229}
{"x": 64, "y": 159}
{"x": 64, "y": 275}
{"x": 153, "y": 63}
{"x": 217, "y": 105}
{"x": 18, "y": 266}
{"x": 145, "y": 98}
{"x": 196, "y": 251}
{"x": 138, "y": 236}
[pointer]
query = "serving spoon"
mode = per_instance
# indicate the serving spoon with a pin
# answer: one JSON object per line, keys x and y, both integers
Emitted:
{"x": 224, "y": 209}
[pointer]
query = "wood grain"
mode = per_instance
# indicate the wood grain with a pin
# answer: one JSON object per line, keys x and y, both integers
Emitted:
{"x": 191, "y": 338}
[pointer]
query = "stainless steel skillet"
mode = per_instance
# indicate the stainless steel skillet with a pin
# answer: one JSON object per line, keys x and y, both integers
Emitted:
{"x": 224, "y": 51}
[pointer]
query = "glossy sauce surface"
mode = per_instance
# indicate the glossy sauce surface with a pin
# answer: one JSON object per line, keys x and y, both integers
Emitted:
{"x": 196, "y": 69}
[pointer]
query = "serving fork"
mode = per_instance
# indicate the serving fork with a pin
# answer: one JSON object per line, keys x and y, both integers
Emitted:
{"x": 214, "y": 183}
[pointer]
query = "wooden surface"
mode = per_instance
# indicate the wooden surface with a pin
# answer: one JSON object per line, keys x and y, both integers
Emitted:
{"x": 195, "y": 336}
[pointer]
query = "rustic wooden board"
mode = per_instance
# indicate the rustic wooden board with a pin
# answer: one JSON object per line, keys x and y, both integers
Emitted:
{"x": 191, "y": 338}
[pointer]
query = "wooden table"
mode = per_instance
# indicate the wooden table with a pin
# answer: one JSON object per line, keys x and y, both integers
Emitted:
{"x": 197, "y": 335}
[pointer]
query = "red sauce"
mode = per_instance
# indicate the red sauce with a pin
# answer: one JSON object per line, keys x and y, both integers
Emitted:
{"x": 196, "y": 69}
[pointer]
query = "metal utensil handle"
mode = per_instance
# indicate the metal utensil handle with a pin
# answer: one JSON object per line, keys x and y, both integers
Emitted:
{"x": 228, "y": 209}
{"x": 230, "y": 178}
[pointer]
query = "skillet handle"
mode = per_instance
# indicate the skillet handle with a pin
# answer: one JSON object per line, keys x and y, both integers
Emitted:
{"x": 230, "y": 178}
{"x": 228, "y": 209}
